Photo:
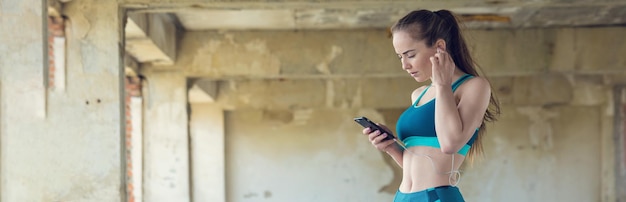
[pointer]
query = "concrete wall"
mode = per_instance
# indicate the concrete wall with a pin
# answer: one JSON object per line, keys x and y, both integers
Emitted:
{"x": 304, "y": 155}
{"x": 319, "y": 155}
{"x": 61, "y": 145}
{"x": 291, "y": 97}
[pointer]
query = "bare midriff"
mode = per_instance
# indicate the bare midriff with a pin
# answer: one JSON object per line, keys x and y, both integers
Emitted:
{"x": 418, "y": 172}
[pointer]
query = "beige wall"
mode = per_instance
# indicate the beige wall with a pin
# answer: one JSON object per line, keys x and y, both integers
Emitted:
{"x": 535, "y": 154}
{"x": 303, "y": 155}
{"x": 532, "y": 154}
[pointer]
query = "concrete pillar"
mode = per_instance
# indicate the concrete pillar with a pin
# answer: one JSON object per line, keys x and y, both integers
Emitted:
{"x": 207, "y": 153}
{"x": 136, "y": 150}
{"x": 61, "y": 145}
{"x": 166, "y": 148}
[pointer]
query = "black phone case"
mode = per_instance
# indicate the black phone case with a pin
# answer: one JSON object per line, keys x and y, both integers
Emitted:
{"x": 366, "y": 123}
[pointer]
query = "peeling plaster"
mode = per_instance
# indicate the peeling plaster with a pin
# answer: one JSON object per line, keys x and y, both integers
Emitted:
{"x": 540, "y": 131}
{"x": 80, "y": 27}
{"x": 322, "y": 67}
{"x": 229, "y": 57}
{"x": 208, "y": 49}
{"x": 256, "y": 46}
{"x": 357, "y": 101}
{"x": 342, "y": 94}
{"x": 301, "y": 117}
{"x": 246, "y": 98}
{"x": 280, "y": 116}
{"x": 590, "y": 90}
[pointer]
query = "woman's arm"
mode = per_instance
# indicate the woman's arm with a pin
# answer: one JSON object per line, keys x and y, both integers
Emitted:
{"x": 396, "y": 153}
{"x": 455, "y": 124}
{"x": 388, "y": 146}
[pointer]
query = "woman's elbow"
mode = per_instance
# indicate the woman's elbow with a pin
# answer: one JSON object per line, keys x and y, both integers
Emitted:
{"x": 448, "y": 150}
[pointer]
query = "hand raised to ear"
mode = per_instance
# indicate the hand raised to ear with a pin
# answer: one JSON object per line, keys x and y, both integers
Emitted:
{"x": 442, "y": 68}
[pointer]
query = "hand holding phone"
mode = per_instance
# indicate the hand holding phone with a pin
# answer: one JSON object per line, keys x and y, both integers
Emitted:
{"x": 366, "y": 123}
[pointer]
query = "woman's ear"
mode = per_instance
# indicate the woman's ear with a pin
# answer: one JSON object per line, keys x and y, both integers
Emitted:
{"x": 441, "y": 44}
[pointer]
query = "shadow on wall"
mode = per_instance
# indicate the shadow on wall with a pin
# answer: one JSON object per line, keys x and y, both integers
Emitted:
{"x": 391, "y": 117}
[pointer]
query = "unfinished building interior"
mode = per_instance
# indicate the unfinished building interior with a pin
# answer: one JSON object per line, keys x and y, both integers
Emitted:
{"x": 245, "y": 101}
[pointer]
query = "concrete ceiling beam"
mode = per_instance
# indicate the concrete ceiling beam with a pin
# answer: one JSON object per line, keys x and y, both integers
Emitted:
{"x": 151, "y": 38}
{"x": 355, "y": 14}
{"x": 203, "y": 91}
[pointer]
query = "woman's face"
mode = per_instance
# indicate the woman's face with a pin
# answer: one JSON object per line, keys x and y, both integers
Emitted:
{"x": 414, "y": 55}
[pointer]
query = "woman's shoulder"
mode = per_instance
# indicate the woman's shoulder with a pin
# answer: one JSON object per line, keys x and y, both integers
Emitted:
{"x": 476, "y": 82}
{"x": 416, "y": 93}
{"x": 475, "y": 86}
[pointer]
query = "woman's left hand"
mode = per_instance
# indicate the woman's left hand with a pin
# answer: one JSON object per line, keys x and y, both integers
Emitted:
{"x": 442, "y": 69}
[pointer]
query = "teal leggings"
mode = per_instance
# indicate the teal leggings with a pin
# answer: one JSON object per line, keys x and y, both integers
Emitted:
{"x": 437, "y": 194}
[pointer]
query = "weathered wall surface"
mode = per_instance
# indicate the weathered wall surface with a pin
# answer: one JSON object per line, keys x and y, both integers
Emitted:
{"x": 292, "y": 96}
{"x": 320, "y": 155}
{"x": 368, "y": 53}
{"x": 61, "y": 145}
{"x": 536, "y": 154}
{"x": 303, "y": 155}
{"x": 531, "y": 154}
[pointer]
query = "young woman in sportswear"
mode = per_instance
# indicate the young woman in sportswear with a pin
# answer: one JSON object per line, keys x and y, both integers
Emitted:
{"x": 446, "y": 120}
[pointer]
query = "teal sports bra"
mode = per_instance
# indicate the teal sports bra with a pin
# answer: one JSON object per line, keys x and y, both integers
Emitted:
{"x": 416, "y": 125}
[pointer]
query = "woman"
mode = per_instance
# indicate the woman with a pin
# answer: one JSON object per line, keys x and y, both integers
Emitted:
{"x": 447, "y": 118}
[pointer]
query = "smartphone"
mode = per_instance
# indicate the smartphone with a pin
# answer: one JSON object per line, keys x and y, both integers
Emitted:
{"x": 366, "y": 123}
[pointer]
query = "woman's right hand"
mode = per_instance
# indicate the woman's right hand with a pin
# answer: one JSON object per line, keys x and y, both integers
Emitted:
{"x": 377, "y": 139}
